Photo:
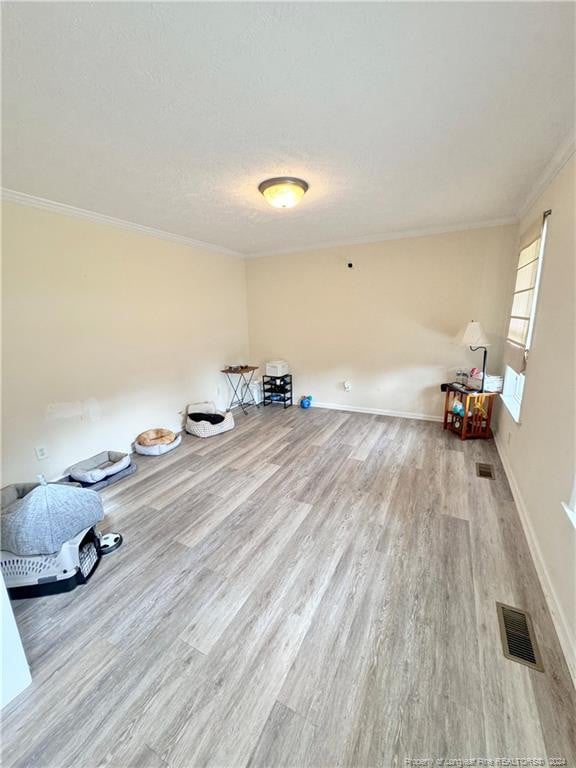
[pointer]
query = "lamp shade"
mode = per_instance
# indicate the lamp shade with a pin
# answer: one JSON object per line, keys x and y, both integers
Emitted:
{"x": 472, "y": 335}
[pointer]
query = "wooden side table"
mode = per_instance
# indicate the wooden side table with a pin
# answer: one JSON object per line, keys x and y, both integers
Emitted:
{"x": 241, "y": 392}
{"x": 477, "y": 407}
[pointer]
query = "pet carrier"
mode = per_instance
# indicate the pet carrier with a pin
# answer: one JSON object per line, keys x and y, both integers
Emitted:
{"x": 50, "y": 542}
{"x": 38, "y": 575}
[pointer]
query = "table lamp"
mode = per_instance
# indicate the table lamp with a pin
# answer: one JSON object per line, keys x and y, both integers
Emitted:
{"x": 473, "y": 336}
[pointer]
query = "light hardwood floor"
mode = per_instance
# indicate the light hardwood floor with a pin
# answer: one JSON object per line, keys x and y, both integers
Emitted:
{"x": 315, "y": 588}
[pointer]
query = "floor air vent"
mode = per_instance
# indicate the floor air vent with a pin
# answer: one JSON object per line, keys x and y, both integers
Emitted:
{"x": 517, "y": 635}
{"x": 484, "y": 470}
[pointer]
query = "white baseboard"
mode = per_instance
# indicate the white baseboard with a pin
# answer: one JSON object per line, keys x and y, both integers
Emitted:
{"x": 558, "y": 617}
{"x": 377, "y": 411}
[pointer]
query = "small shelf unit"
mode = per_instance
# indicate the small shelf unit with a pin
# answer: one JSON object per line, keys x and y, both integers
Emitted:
{"x": 277, "y": 389}
{"x": 477, "y": 406}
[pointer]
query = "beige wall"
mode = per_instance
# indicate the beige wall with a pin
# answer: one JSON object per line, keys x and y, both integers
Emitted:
{"x": 121, "y": 328}
{"x": 540, "y": 452}
{"x": 387, "y": 325}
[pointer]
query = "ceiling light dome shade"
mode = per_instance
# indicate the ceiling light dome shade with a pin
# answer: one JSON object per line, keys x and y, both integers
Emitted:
{"x": 284, "y": 191}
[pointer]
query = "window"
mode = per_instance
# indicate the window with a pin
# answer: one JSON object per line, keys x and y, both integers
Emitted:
{"x": 522, "y": 316}
{"x": 513, "y": 391}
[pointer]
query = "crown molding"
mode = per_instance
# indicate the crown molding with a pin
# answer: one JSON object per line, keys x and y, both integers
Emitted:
{"x": 553, "y": 168}
{"x": 22, "y": 198}
{"x": 558, "y": 160}
{"x": 398, "y": 235}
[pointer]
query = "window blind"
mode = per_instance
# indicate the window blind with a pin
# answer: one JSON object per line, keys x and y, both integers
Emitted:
{"x": 522, "y": 313}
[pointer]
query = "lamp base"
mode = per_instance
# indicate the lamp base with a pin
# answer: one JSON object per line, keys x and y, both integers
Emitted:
{"x": 484, "y": 358}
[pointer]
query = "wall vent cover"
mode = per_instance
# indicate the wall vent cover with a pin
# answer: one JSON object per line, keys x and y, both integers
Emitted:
{"x": 517, "y": 635}
{"x": 484, "y": 470}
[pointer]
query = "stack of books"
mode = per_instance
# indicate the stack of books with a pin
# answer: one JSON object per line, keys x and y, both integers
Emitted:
{"x": 492, "y": 383}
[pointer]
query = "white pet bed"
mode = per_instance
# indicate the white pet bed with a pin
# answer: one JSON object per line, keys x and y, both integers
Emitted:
{"x": 159, "y": 449}
{"x": 99, "y": 467}
{"x": 204, "y": 428}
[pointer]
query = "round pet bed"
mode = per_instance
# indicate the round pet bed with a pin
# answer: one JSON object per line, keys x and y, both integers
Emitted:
{"x": 156, "y": 437}
{"x": 205, "y": 428}
{"x": 158, "y": 448}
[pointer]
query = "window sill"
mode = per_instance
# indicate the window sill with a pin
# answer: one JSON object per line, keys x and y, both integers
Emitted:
{"x": 513, "y": 406}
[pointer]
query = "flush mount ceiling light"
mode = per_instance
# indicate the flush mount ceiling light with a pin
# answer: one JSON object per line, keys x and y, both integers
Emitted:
{"x": 284, "y": 191}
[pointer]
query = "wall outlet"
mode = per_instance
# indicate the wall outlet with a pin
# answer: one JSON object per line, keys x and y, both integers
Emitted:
{"x": 347, "y": 386}
{"x": 41, "y": 452}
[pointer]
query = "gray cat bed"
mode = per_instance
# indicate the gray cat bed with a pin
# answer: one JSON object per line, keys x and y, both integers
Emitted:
{"x": 110, "y": 480}
{"x": 39, "y": 519}
{"x": 99, "y": 467}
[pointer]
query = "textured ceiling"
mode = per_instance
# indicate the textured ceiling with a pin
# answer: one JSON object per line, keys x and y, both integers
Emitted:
{"x": 401, "y": 116}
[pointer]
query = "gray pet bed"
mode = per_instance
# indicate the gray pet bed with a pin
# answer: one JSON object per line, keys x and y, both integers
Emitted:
{"x": 99, "y": 467}
{"x": 38, "y": 519}
{"x": 110, "y": 480}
